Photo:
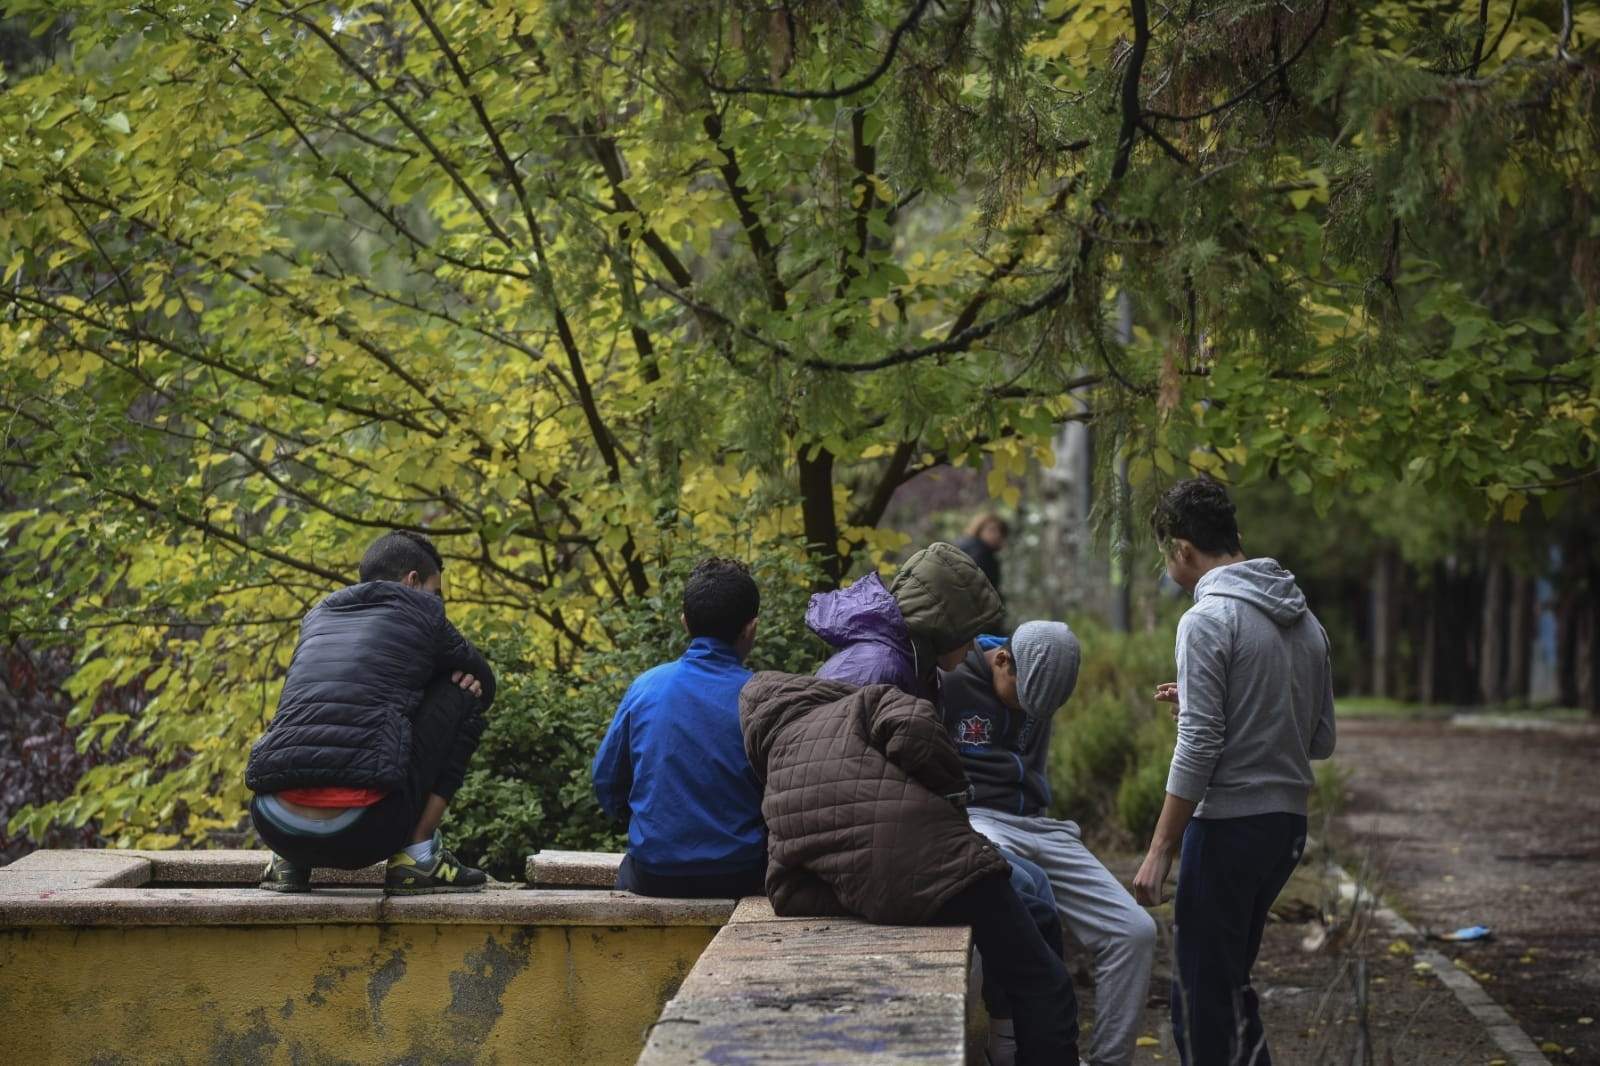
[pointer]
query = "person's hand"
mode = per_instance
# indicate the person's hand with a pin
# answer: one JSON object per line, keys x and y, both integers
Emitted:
{"x": 467, "y": 682}
{"x": 1167, "y": 692}
{"x": 1152, "y": 878}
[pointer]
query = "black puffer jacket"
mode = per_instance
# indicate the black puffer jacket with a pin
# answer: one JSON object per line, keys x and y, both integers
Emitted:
{"x": 344, "y": 718}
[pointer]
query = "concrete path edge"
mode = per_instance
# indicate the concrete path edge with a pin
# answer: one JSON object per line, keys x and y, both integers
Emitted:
{"x": 1519, "y": 1048}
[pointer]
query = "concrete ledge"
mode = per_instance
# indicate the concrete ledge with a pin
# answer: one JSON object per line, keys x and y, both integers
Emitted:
{"x": 32, "y": 907}
{"x": 74, "y": 869}
{"x": 790, "y": 990}
{"x": 112, "y": 868}
{"x": 238, "y": 867}
{"x": 758, "y": 909}
{"x": 819, "y": 991}
{"x": 573, "y": 869}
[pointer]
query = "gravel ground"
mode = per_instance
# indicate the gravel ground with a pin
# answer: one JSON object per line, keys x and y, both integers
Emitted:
{"x": 1466, "y": 825}
{"x": 1308, "y": 1000}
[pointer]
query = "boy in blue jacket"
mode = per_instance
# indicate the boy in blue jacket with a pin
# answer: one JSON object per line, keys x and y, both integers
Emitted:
{"x": 672, "y": 764}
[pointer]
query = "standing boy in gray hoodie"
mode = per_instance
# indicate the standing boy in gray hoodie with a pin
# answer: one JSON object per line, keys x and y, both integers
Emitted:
{"x": 1254, "y": 702}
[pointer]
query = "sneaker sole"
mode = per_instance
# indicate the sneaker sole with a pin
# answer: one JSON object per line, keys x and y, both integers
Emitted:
{"x": 286, "y": 889}
{"x": 437, "y": 890}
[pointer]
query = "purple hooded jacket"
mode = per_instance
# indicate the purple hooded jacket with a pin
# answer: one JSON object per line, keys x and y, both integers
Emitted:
{"x": 938, "y": 602}
{"x": 865, "y": 624}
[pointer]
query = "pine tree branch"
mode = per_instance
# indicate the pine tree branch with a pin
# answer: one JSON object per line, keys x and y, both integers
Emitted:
{"x": 1249, "y": 90}
{"x": 865, "y": 82}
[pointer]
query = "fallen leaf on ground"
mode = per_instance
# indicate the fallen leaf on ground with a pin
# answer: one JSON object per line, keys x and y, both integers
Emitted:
{"x": 1147, "y": 1041}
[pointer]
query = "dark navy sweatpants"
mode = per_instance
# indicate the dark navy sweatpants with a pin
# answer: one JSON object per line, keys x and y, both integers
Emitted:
{"x": 1230, "y": 872}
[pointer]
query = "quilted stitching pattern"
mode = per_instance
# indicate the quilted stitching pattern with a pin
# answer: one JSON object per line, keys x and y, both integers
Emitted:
{"x": 855, "y": 787}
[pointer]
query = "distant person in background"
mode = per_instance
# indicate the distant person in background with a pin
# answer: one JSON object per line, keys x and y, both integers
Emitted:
{"x": 984, "y": 540}
{"x": 672, "y": 766}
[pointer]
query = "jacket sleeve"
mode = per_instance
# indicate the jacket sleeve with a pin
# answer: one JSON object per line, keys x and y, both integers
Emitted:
{"x": 454, "y": 652}
{"x": 1204, "y": 643}
{"x": 1323, "y": 739}
{"x": 911, "y": 735}
{"x": 612, "y": 770}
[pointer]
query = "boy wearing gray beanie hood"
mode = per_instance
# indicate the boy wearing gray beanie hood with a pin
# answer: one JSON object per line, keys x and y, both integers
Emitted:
{"x": 997, "y": 707}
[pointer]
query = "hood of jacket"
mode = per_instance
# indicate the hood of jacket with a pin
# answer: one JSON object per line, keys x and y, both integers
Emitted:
{"x": 1259, "y": 582}
{"x": 863, "y": 612}
{"x": 770, "y": 701}
{"x": 945, "y": 599}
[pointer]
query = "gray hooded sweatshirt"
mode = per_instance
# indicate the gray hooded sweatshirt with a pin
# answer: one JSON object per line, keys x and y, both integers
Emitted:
{"x": 1255, "y": 692}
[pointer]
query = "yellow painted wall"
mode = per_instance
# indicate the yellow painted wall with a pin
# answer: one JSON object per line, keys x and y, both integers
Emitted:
{"x": 317, "y": 994}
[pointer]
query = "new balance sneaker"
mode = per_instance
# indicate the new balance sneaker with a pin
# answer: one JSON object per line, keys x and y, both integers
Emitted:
{"x": 281, "y": 875}
{"x": 406, "y": 876}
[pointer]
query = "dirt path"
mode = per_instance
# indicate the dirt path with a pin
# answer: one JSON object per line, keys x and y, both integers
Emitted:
{"x": 1498, "y": 827}
{"x": 1307, "y": 996}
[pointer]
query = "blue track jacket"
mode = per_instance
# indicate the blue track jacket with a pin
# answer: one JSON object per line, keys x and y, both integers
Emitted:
{"x": 673, "y": 767}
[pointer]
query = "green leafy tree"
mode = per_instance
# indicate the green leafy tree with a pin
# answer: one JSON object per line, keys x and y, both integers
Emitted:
{"x": 580, "y": 290}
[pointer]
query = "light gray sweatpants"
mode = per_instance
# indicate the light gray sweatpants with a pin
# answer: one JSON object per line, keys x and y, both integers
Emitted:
{"x": 1100, "y": 913}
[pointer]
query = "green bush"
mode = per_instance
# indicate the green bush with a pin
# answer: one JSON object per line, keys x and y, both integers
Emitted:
{"x": 1112, "y": 743}
{"x": 1143, "y": 788}
{"x": 529, "y": 785}
{"x": 1329, "y": 794}
{"x": 1090, "y": 750}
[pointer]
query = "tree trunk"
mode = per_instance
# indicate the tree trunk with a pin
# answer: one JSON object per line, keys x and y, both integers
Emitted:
{"x": 1382, "y": 597}
{"x": 817, "y": 513}
{"x": 1586, "y": 662}
{"x": 1492, "y": 630}
{"x": 1567, "y": 608}
{"x": 1450, "y": 662}
{"x": 1519, "y": 639}
{"x": 1427, "y": 661}
{"x": 1588, "y": 656}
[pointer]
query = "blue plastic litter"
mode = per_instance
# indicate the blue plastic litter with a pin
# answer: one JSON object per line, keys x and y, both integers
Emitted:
{"x": 1471, "y": 932}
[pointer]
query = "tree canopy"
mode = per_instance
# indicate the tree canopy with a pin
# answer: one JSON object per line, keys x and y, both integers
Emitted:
{"x": 578, "y": 288}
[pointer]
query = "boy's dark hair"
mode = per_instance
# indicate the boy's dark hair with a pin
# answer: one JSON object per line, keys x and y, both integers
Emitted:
{"x": 719, "y": 599}
{"x": 394, "y": 555}
{"x": 1199, "y": 511}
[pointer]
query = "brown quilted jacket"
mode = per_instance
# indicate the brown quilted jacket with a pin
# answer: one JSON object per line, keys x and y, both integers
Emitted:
{"x": 856, "y": 799}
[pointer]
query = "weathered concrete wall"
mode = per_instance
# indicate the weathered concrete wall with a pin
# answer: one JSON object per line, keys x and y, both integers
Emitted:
{"x": 337, "y": 993}
{"x": 98, "y": 966}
